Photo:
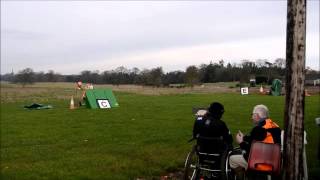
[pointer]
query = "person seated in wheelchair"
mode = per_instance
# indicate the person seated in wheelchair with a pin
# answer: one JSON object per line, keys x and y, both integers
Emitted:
{"x": 211, "y": 133}
{"x": 264, "y": 130}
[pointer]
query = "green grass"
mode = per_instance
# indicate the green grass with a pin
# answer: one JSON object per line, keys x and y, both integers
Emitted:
{"x": 145, "y": 137}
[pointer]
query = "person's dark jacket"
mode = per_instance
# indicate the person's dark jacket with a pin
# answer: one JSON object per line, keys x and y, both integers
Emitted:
{"x": 258, "y": 133}
{"x": 210, "y": 126}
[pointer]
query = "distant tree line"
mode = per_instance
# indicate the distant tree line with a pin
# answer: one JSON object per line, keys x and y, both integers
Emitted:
{"x": 262, "y": 70}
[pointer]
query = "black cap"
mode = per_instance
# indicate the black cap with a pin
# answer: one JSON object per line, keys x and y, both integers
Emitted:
{"x": 216, "y": 108}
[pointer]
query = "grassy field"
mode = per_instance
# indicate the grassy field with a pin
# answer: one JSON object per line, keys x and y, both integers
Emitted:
{"x": 145, "y": 137}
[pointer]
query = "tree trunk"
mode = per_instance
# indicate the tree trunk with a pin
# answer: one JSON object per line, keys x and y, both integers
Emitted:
{"x": 295, "y": 80}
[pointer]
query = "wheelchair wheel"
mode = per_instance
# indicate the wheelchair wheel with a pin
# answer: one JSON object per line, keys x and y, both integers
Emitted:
{"x": 191, "y": 170}
{"x": 228, "y": 174}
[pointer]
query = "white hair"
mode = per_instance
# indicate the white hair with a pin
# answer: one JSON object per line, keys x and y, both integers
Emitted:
{"x": 261, "y": 110}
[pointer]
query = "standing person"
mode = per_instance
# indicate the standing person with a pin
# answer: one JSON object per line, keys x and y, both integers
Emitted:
{"x": 209, "y": 124}
{"x": 264, "y": 130}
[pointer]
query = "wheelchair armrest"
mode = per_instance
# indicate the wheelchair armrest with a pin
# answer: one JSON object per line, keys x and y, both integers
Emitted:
{"x": 209, "y": 154}
{"x": 237, "y": 148}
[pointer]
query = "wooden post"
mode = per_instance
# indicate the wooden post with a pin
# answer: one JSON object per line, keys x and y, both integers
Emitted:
{"x": 295, "y": 79}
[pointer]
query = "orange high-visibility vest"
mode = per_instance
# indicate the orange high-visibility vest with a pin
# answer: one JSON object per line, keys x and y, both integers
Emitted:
{"x": 269, "y": 139}
{"x": 269, "y": 124}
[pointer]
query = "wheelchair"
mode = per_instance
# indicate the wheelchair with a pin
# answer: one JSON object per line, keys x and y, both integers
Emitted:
{"x": 208, "y": 160}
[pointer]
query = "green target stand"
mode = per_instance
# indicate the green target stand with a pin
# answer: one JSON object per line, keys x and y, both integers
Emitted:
{"x": 100, "y": 99}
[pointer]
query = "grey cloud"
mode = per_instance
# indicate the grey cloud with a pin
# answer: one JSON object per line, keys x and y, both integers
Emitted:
{"x": 22, "y": 35}
{"x": 67, "y": 32}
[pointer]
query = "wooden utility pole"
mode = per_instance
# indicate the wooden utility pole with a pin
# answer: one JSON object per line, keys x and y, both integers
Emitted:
{"x": 295, "y": 79}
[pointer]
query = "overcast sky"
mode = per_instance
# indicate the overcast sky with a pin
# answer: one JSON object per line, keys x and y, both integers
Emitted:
{"x": 69, "y": 37}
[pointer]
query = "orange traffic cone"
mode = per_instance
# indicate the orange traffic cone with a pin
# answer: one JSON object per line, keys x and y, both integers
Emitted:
{"x": 71, "y": 103}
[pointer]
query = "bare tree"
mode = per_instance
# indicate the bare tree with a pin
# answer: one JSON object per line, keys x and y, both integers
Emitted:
{"x": 280, "y": 63}
{"x": 295, "y": 77}
{"x": 192, "y": 75}
{"x": 155, "y": 76}
{"x": 85, "y": 76}
{"x": 25, "y": 76}
{"x": 51, "y": 76}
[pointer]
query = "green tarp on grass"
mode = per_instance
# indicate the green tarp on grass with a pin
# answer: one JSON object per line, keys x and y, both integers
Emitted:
{"x": 100, "y": 98}
{"x": 38, "y": 106}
